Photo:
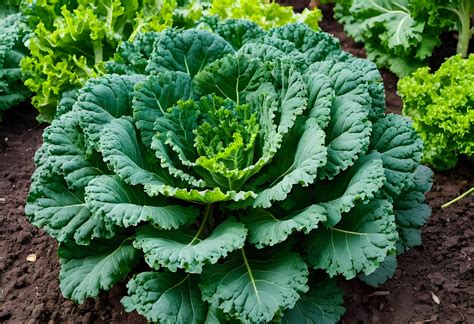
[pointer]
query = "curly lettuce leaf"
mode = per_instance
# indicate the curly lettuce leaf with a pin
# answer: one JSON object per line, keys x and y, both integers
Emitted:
{"x": 71, "y": 42}
{"x": 440, "y": 105}
{"x": 265, "y": 13}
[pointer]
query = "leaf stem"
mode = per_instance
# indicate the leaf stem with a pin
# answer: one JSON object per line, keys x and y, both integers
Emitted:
{"x": 449, "y": 203}
{"x": 98, "y": 52}
{"x": 249, "y": 271}
{"x": 207, "y": 212}
{"x": 463, "y": 10}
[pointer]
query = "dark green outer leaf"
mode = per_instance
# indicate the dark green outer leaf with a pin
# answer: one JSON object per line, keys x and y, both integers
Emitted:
{"x": 62, "y": 212}
{"x": 358, "y": 243}
{"x": 411, "y": 211}
{"x": 254, "y": 289}
{"x": 154, "y": 96}
{"x": 166, "y": 298}
{"x": 383, "y": 273}
{"x": 110, "y": 198}
{"x": 103, "y": 99}
{"x": 265, "y": 229}
{"x": 84, "y": 276}
{"x": 186, "y": 51}
{"x": 400, "y": 147}
{"x": 185, "y": 250}
{"x": 322, "y": 304}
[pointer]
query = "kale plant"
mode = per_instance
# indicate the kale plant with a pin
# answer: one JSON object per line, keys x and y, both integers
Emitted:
{"x": 401, "y": 35}
{"x": 246, "y": 169}
{"x": 13, "y": 31}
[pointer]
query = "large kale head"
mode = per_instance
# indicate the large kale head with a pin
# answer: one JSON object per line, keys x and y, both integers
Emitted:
{"x": 237, "y": 162}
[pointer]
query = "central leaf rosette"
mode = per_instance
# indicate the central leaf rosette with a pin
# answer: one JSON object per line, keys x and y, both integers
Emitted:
{"x": 223, "y": 140}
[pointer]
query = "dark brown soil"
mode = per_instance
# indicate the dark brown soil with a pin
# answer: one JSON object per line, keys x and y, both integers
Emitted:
{"x": 29, "y": 291}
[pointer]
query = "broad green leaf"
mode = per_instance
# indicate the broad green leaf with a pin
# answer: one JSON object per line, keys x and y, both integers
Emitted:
{"x": 111, "y": 198}
{"x": 62, "y": 212}
{"x": 154, "y": 96}
{"x": 322, "y": 304}
{"x": 42, "y": 155}
{"x": 358, "y": 243}
{"x": 68, "y": 99}
{"x": 371, "y": 74}
{"x": 126, "y": 156}
{"x": 385, "y": 271}
{"x": 66, "y": 148}
{"x": 270, "y": 49}
{"x": 293, "y": 94}
{"x": 236, "y": 31}
{"x": 266, "y": 229}
{"x": 101, "y": 100}
{"x": 174, "y": 142}
{"x": 320, "y": 98}
{"x": 230, "y": 77}
{"x": 316, "y": 46}
{"x": 132, "y": 57}
{"x": 12, "y": 50}
{"x": 265, "y": 52}
{"x": 411, "y": 211}
{"x": 400, "y": 147}
{"x": 204, "y": 196}
{"x": 283, "y": 45}
{"x": 187, "y": 51}
{"x": 185, "y": 249}
{"x": 310, "y": 156}
{"x": 401, "y": 29}
{"x": 166, "y": 298}
{"x": 360, "y": 183}
{"x": 348, "y": 131}
{"x": 255, "y": 289}
{"x": 398, "y": 35}
{"x": 214, "y": 316}
{"x": 98, "y": 267}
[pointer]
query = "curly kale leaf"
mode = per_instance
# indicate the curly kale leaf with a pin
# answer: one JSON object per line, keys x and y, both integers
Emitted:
{"x": 12, "y": 50}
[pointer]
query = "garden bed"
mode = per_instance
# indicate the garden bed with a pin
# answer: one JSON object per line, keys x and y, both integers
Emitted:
{"x": 432, "y": 283}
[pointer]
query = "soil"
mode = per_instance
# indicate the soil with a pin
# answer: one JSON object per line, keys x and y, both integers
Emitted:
{"x": 433, "y": 283}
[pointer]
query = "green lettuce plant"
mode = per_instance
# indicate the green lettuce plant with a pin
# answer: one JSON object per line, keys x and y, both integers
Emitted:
{"x": 13, "y": 30}
{"x": 233, "y": 173}
{"x": 266, "y": 13}
{"x": 72, "y": 38}
{"x": 441, "y": 105}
